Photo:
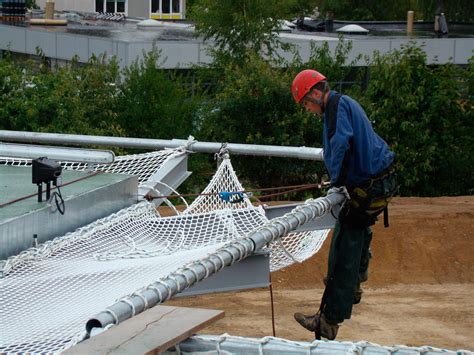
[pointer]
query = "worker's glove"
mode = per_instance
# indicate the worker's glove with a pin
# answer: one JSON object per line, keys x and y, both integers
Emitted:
{"x": 339, "y": 190}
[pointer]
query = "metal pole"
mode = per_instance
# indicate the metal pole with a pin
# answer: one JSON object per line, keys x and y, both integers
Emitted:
{"x": 163, "y": 290}
{"x": 277, "y": 346}
{"x": 157, "y": 144}
{"x": 57, "y": 153}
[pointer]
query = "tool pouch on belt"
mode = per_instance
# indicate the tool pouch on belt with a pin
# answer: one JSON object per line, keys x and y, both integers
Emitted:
{"x": 369, "y": 200}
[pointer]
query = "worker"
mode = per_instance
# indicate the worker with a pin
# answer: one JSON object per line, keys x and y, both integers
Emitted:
{"x": 360, "y": 165}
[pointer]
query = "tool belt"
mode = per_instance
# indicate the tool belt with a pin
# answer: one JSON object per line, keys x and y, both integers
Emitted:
{"x": 370, "y": 199}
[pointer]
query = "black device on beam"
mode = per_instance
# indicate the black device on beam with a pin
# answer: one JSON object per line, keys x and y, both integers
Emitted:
{"x": 45, "y": 171}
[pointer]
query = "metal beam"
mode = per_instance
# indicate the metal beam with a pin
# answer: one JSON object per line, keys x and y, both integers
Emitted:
{"x": 167, "y": 179}
{"x": 81, "y": 155}
{"x": 236, "y": 251}
{"x": 157, "y": 144}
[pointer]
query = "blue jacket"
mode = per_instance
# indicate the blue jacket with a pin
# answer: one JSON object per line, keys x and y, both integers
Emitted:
{"x": 353, "y": 152}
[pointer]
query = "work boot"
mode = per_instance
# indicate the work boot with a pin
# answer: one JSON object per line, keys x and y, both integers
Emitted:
{"x": 318, "y": 324}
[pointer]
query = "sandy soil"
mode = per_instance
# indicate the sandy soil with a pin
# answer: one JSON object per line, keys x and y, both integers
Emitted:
{"x": 420, "y": 289}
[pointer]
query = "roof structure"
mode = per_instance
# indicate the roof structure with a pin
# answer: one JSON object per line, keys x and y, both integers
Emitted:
{"x": 88, "y": 36}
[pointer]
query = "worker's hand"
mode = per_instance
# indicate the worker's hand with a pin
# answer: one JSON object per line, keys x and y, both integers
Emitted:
{"x": 339, "y": 190}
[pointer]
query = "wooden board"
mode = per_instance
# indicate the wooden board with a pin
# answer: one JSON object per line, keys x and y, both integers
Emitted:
{"x": 150, "y": 332}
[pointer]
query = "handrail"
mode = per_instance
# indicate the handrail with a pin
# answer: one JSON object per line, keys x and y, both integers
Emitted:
{"x": 302, "y": 152}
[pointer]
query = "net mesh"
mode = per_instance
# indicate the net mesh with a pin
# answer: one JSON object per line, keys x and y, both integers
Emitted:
{"x": 49, "y": 292}
{"x": 143, "y": 165}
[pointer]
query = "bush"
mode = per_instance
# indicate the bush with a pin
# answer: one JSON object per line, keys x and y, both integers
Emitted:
{"x": 71, "y": 99}
{"x": 425, "y": 113}
{"x": 253, "y": 105}
{"x": 153, "y": 102}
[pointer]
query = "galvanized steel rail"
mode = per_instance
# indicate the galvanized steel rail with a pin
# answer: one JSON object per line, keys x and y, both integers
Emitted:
{"x": 157, "y": 144}
{"x": 80, "y": 155}
{"x": 164, "y": 289}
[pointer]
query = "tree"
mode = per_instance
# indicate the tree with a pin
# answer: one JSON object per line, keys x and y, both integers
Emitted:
{"x": 253, "y": 105}
{"x": 239, "y": 27}
{"x": 367, "y": 10}
{"x": 152, "y": 102}
{"x": 459, "y": 10}
{"x": 372, "y": 10}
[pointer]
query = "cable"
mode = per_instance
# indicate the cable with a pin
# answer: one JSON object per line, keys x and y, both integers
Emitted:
{"x": 271, "y": 300}
{"x": 58, "y": 200}
{"x": 35, "y": 194}
{"x": 293, "y": 189}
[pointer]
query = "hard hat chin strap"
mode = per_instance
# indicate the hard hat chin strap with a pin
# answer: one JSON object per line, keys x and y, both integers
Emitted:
{"x": 319, "y": 102}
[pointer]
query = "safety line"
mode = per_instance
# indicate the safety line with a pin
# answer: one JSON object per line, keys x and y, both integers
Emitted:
{"x": 53, "y": 188}
{"x": 293, "y": 188}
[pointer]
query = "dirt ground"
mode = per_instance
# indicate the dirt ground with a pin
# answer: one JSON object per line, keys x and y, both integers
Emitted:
{"x": 420, "y": 289}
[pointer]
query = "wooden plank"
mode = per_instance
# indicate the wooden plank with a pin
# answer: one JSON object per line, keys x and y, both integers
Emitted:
{"x": 149, "y": 332}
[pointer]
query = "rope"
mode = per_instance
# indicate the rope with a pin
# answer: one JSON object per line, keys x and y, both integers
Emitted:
{"x": 293, "y": 188}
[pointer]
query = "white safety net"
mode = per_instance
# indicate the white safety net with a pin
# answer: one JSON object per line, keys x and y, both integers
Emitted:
{"x": 143, "y": 165}
{"x": 48, "y": 293}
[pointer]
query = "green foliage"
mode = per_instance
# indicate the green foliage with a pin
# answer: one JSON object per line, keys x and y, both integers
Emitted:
{"x": 370, "y": 10}
{"x": 153, "y": 102}
{"x": 296, "y": 8}
{"x": 238, "y": 27}
{"x": 458, "y": 10}
{"x": 425, "y": 114}
{"x": 423, "y": 111}
{"x": 253, "y": 105}
{"x": 72, "y": 99}
{"x": 367, "y": 10}
{"x": 333, "y": 63}
{"x": 96, "y": 98}
{"x": 31, "y": 4}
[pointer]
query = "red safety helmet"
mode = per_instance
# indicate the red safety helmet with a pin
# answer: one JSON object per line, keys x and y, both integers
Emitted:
{"x": 303, "y": 82}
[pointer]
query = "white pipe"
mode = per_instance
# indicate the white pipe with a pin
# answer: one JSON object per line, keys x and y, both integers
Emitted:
{"x": 277, "y": 346}
{"x": 157, "y": 144}
{"x": 57, "y": 153}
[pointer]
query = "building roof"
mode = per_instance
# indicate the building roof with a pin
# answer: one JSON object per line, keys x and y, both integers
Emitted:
{"x": 87, "y": 36}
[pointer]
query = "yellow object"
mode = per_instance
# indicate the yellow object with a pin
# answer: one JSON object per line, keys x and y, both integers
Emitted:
{"x": 48, "y": 22}
{"x": 166, "y": 16}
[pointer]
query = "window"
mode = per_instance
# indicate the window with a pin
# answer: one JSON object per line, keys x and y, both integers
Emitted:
{"x": 175, "y": 6}
{"x": 110, "y": 6}
{"x": 166, "y": 7}
{"x": 120, "y": 5}
{"x": 155, "y": 6}
{"x": 99, "y": 5}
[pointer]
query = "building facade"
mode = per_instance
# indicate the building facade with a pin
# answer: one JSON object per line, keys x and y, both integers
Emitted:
{"x": 156, "y": 9}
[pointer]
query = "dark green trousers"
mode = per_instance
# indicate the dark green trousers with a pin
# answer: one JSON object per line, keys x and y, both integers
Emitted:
{"x": 349, "y": 253}
{"x": 348, "y": 263}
